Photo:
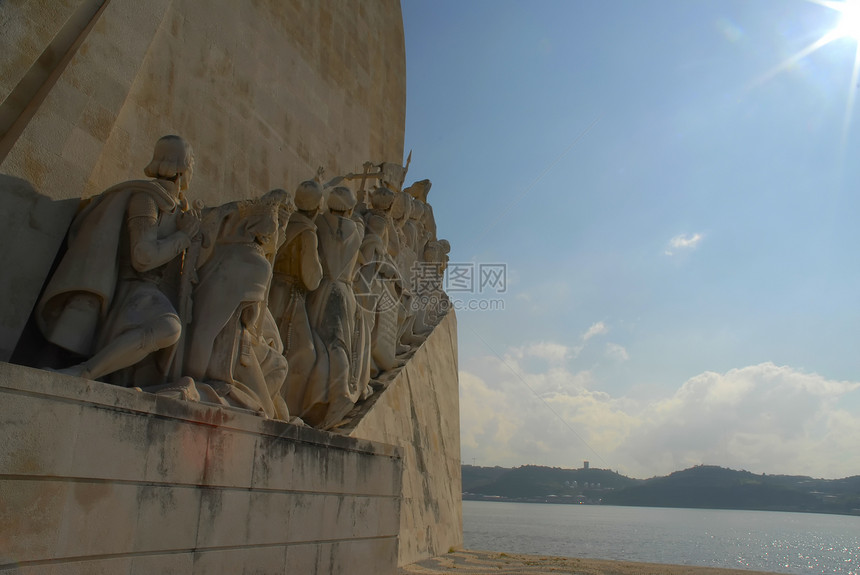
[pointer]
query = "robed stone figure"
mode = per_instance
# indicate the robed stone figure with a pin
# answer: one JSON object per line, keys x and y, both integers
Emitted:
{"x": 112, "y": 298}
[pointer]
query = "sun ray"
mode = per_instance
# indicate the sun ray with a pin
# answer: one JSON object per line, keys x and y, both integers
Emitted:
{"x": 852, "y": 95}
{"x": 794, "y": 58}
{"x": 847, "y": 27}
{"x": 832, "y": 4}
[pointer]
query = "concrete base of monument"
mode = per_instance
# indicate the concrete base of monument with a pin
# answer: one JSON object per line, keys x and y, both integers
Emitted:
{"x": 420, "y": 412}
{"x": 100, "y": 479}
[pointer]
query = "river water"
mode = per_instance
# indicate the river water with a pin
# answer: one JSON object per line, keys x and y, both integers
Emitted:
{"x": 798, "y": 543}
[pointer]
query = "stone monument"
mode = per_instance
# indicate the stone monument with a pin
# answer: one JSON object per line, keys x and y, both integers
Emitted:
{"x": 260, "y": 371}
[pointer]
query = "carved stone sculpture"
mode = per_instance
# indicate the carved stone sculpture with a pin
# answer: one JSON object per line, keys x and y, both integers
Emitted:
{"x": 387, "y": 174}
{"x": 233, "y": 344}
{"x": 297, "y": 272}
{"x": 401, "y": 208}
{"x": 267, "y": 304}
{"x": 412, "y": 231}
{"x": 414, "y": 227}
{"x": 429, "y": 274}
{"x": 113, "y": 294}
{"x": 385, "y": 282}
{"x": 333, "y": 387}
{"x": 404, "y": 259}
{"x": 419, "y": 190}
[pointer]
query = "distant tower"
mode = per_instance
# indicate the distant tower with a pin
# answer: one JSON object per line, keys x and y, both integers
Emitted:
{"x": 585, "y": 464}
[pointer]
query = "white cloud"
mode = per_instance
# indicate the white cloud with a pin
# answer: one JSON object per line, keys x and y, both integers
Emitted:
{"x": 598, "y": 328}
{"x": 485, "y": 415}
{"x": 763, "y": 418}
{"x": 616, "y": 352}
{"x": 552, "y": 352}
{"x": 683, "y": 242}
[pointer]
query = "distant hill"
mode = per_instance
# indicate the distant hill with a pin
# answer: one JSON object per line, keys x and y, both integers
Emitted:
{"x": 476, "y": 477}
{"x": 703, "y": 486}
{"x": 717, "y": 488}
{"x": 530, "y": 481}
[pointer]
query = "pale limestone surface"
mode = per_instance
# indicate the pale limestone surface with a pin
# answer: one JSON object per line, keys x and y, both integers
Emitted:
{"x": 162, "y": 486}
{"x": 62, "y": 142}
{"x": 274, "y": 89}
{"x": 26, "y": 28}
{"x": 420, "y": 413}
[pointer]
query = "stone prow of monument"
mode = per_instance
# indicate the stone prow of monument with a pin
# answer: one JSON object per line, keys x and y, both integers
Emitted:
{"x": 224, "y": 345}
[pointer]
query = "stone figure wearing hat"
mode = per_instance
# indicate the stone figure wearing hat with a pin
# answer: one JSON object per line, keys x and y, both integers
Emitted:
{"x": 386, "y": 287}
{"x": 297, "y": 272}
{"x": 334, "y": 385}
{"x": 112, "y": 297}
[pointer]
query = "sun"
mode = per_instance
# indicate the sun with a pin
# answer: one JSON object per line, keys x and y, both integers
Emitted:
{"x": 848, "y": 27}
{"x": 849, "y": 22}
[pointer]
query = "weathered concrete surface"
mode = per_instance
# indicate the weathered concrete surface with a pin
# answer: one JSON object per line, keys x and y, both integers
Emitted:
{"x": 27, "y": 27}
{"x": 100, "y": 479}
{"x": 266, "y": 91}
{"x": 420, "y": 413}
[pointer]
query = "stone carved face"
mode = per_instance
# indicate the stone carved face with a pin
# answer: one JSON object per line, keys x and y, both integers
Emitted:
{"x": 266, "y": 228}
{"x": 401, "y": 208}
{"x": 417, "y": 213}
{"x": 185, "y": 177}
{"x": 273, "y": 215}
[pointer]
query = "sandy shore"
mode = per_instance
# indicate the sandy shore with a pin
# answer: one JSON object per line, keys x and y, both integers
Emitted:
{"x": 492, "y": 562}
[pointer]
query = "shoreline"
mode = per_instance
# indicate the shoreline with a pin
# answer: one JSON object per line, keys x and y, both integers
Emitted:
{"x": 474, "y": 562}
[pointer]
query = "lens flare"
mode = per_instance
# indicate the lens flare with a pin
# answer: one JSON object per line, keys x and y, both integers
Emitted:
{"x": 849, "y": 22}
{"x": 847, "y": 27}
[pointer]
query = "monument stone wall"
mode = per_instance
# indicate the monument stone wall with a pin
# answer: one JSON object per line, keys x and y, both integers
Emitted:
{"x": 267, "y": 91}
{"x": 431, "y": 517}
{"x": 95, "y": 478}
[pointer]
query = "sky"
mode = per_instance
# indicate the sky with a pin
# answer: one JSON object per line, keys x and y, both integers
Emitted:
{"x": 652, "y": 207}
